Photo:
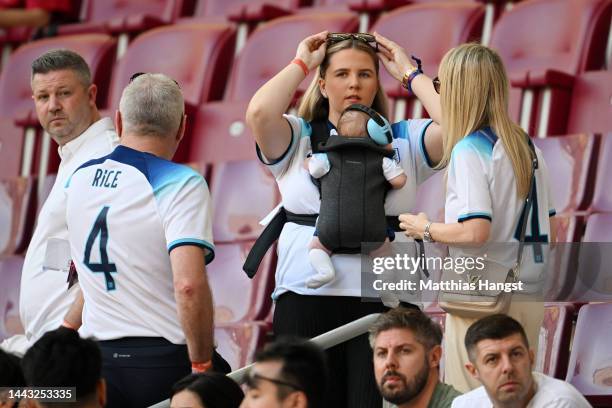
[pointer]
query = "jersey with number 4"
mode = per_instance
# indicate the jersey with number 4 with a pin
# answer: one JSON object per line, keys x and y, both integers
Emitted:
{"x": 481, "y": 184}
{"x": 125, "y": 213}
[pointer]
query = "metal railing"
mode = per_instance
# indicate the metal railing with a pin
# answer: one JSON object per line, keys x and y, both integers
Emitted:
{"x": 325, "y": 341}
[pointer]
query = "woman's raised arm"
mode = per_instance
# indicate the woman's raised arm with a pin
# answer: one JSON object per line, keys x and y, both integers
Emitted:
{"x": 264, "y": 114}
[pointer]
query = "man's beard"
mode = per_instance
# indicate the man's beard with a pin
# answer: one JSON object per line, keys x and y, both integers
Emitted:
{"x": 409, "y": 390}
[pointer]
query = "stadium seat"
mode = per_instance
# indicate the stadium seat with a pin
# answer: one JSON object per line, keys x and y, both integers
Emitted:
{"x": 45, "y": 190}
{"x": 102, "y": 16}
{"x": 558, "y": 40}
{"x": 247, "y": 11}
{"x": 237, "y": 343}
{"x": 590, "y": 366}
{"x": 243, "y": 193}
{"x": 554, "y": 341}
{"x": 17, "y": 207}
{"x": 199, "y": 64}
{"x": 569, "y": 158}
{"x": 222, "y": 134}
{"x": 238, "y": 298}
{"x": 602, "y": 196}
{"x": 437, "y": 27}
{"x": 10, "y": 276}
{"x": 258, "y": 61}
{"x": 15, "y": 91}
{"x": 591, "y": 107}
{"x": 11, "y": 148}
{"x": 563, "y": 261}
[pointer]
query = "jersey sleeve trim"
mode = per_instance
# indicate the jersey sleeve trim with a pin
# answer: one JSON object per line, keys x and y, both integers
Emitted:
{"x": 422, "y": 145}
{"x": 471, "y": 216}
{"x": 280, "y": 159}
{"x": 210, "y": 253}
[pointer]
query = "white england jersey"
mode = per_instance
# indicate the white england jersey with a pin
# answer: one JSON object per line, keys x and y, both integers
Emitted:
{"x": 481, "y": 184}
{"x": 125, "y": 213}
{"x": 301, "y": 196}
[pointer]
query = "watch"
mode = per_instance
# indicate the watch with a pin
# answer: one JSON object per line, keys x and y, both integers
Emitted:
{"x": 427, "y": 235}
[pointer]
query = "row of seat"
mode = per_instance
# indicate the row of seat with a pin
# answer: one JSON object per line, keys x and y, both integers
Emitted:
{"x": 202, "y": 67}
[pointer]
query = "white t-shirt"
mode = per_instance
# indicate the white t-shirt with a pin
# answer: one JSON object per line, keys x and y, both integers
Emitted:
{"x": 44, "y": 295}
{"x": 550, "y": 393}
{"x": 126, "y": 212}
{"x": 481, "y": 185}
{"x": 300, "y": 196}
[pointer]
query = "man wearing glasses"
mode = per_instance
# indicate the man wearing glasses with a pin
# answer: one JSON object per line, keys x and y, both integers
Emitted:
{"x": 140, "y": 231}
{"x": 287, "y": 373}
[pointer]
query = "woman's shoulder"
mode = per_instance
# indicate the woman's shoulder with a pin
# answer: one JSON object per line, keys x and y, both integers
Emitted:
{"x": 481, "y": 141}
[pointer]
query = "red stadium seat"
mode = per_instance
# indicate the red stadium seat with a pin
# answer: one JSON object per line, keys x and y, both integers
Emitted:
{"x": 247, "y": 11}
{"x": 10, "y": 276}
{"x": 602, "y": 196}
{"x": 97, "y": 50}
{"x": 559, "y": 39}
{"x": 103, "y": 16}
{"x": 243, "y": 193}
{"x": 17, "y": 207}
{"x": 221, "y": 134}
{"x": 591, "y": 107}
{"x": 590, "y": 366}
{"x": 197, "y": 56}
{"x": 238, "y": 298}
{"x": 440, "y": 26}
{"x": 554, "y": 341}
{"x": 237, "y": 343}
{"x": 45, "y": 190}
{"x": 569, "y": 159}
{"x": 11, "y": 148}
{"x": 258, "y": 61}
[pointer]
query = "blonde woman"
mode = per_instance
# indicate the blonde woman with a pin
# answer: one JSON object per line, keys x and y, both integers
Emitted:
{"x": 489, "y": 170}
{"x": 347, "y": 72}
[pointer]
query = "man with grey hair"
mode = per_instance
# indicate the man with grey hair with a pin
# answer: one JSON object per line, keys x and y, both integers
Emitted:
{"x": 65, "y": 102}
{"x": 407, "y": 351}
{"x": 140, "y": 229}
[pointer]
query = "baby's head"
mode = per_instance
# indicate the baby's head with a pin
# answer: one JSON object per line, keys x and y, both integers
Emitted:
{"x": 353, "y": 123}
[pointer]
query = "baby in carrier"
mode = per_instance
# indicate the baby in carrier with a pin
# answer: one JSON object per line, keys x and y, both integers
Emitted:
{"x": 355, "y": 170}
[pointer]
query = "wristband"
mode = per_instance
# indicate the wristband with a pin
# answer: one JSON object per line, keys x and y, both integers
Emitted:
{"x": 408, "y": 77}
{"x": 201, "y": 367}
{"x": 301, "y": 64}
{"x": 68, "y": 326}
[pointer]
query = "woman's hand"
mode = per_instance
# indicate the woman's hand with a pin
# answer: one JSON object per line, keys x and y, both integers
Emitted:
{"x": 394, "y": 58}
{"x": 312, "y": 50}
{"x": 413, "y": 225}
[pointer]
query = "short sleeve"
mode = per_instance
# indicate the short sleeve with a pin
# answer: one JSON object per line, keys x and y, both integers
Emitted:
{"x": 413, "y": 132}
{"x": 391, "y": 168}
{"x": 187, "y": 219}
{"x": 299, "y": 127}
{"x": 468, "y": 183}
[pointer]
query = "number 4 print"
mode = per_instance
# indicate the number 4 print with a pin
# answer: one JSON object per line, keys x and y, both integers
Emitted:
{"x": 105, "y": 267}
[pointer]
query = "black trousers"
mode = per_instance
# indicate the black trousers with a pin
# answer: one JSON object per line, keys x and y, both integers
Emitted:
{"x": 352, "y": 382}
{"x": 140, "y": 371}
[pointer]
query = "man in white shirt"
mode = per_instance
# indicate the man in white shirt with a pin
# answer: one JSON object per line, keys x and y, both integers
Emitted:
{"x": 65, "y": 101}
{"x": 501, "y": 360}
{"x": 140, "y": 232}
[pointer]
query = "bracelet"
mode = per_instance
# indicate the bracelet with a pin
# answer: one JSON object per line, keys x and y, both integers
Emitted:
{"x": 201, "y": 367}
{"x": 301, "y": 64}
{"x": 409, "y": 76}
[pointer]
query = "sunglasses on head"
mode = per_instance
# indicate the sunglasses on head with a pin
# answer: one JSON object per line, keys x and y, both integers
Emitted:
{"x": 333, "y": 38}
{"x": 436, "y": 84}
{"x": 137, "y": 74}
